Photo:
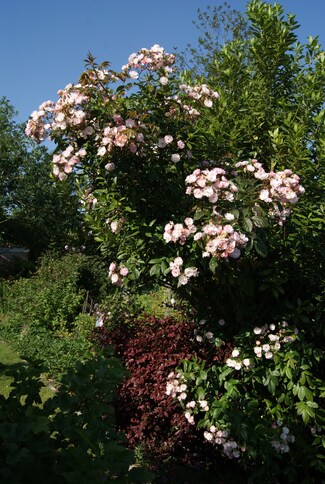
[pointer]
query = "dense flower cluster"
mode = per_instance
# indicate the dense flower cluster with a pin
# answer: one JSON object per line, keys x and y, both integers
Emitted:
{"x": 221, "y": 241}
{"x": 229, "y": 446}
{"x": 152, "y": 59}
{"x": 212, "y": 184}
{"x": 65, "y": 161}
{"x": 200, "y": 93}
{"x": 120, "y": 133}
{"x": 269, "y": 341}
{"x": 176, "y": 387}
{"x": 183, "y": 277}
{"x": 67, "y": 112}
{"x": 282, "y": 189}
{"x": 284, "y": 438}
{"x": 179, "y": 233}
{"x": 116, "y": 274}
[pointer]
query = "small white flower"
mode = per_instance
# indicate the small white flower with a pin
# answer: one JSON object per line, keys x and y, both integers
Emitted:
{"x": 235, "y": 353}
{"x": 246, "y": 362}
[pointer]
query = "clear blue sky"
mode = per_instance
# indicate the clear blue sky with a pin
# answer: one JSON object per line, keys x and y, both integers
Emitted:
{"x": 43, "y": 43}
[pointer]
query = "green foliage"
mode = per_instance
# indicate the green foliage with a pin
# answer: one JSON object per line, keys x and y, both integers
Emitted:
{"x": 72, "y": 439}
{"x": 35, "y": 211}
{"x": 272, "y": 92}
{"x": 267, "y": 399}
{"x": 54, "y": 296}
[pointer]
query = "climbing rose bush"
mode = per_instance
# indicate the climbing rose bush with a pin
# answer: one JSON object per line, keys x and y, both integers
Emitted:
{"x": 129, "y": 138}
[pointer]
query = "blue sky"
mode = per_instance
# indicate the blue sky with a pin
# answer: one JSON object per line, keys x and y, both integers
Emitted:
{"x": 43, "y": 44}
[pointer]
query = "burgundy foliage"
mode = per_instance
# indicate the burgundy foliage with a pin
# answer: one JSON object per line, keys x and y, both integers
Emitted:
{"x": 150, "y": 350}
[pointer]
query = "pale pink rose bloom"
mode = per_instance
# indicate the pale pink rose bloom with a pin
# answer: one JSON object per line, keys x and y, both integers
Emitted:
{"x": 198, "y": 193}
{"x": 182, "y": 280}
{"x": 189, "y": 417}
{"x": 56, "y": 170}
{"x": 82, "y": 152}
{"x": 175, "y": 271}
{"x": 124, "y": 271}
{"x": 161, "y": 143}
{"x": 112, "y": 267}
{"x": 121, "y": 139}
{"x": 258, "y": 351}
{"x": 257, "y": 330}
{"x": 133, "y": 148}
{"x": 67, "y": 168}
{"x": 168, "y": 139}
{"x": 237, "y": 365}
{"x": 246, "y": 362}
{"x": 181, "y": 144}
{"x": 229, "y": 217}
{"x": 115, "y": 278}
{"x": 110, "y": 166}
{"x": 133, "y": 74}
{"x": 208, "y": 103}
{"x": 266, "y": 347}
{"x": 175, "y": 157}
{"x": 114, "y": 226}
{"x": 235, "y": 353}
{"x": 191, "y": 272}
{"x": 163, "y": 80}
{"x": 203, "y": 403}
{"x": 140, "y": 137}
{"x": 62, "y": 176}
{"x": 101, "y": 151}
{"x": 130, "y": 123}
{"x": 268, "y": 355}
{"x": 209, "y": 335}
{"x": 264, "y": 195}
{"x": 198, "y": 236}
{"x": 208, "y": 436}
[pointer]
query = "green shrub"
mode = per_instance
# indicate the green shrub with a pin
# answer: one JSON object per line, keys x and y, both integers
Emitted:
{"x": 54, "y": 295}
{"x": 72, "y": 439}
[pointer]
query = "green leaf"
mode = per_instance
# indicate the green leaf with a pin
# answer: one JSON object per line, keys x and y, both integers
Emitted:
{"x": 213, "y": 264}
{"x": 260, "y": 247}
{"x": 247, "y": 224}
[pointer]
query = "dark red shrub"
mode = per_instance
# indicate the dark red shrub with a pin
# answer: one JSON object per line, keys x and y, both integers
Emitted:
{"x": 150, "y": 350}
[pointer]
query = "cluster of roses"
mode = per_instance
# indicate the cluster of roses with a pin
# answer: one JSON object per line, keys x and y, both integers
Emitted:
{"x": 123, "y": 133}
{"x": 116, "y": 274}
{"x": 183, "y": 277}
{"x": 281, "y": 188}
{"x": 71, "y": 115}
{"x": 221, "y": 241}
{"x": 229, "y": 446}
{"x": 176, "y": 388}
{"x": 152, "y": 59}
{"x": 211, "y": 184}
{"x": 281, "y": 444}
{"x": 200, "y": 93}
{"x": 270, "y": 342}
{"x": 179, "y": 233}
{"x": 66, "y": 112}
{"x": 65, "y": 161}
{"x": 167, "y": 140}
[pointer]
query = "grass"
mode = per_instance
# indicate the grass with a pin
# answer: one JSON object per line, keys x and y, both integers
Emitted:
{"x": 10, "y": 358}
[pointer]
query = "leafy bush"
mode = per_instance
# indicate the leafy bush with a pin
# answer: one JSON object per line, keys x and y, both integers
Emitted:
{"x": 264, "y": 406}
{"x": 72, "y": 439}
{"x": 150, "y": 350}
{"x": 54, "y": 295}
